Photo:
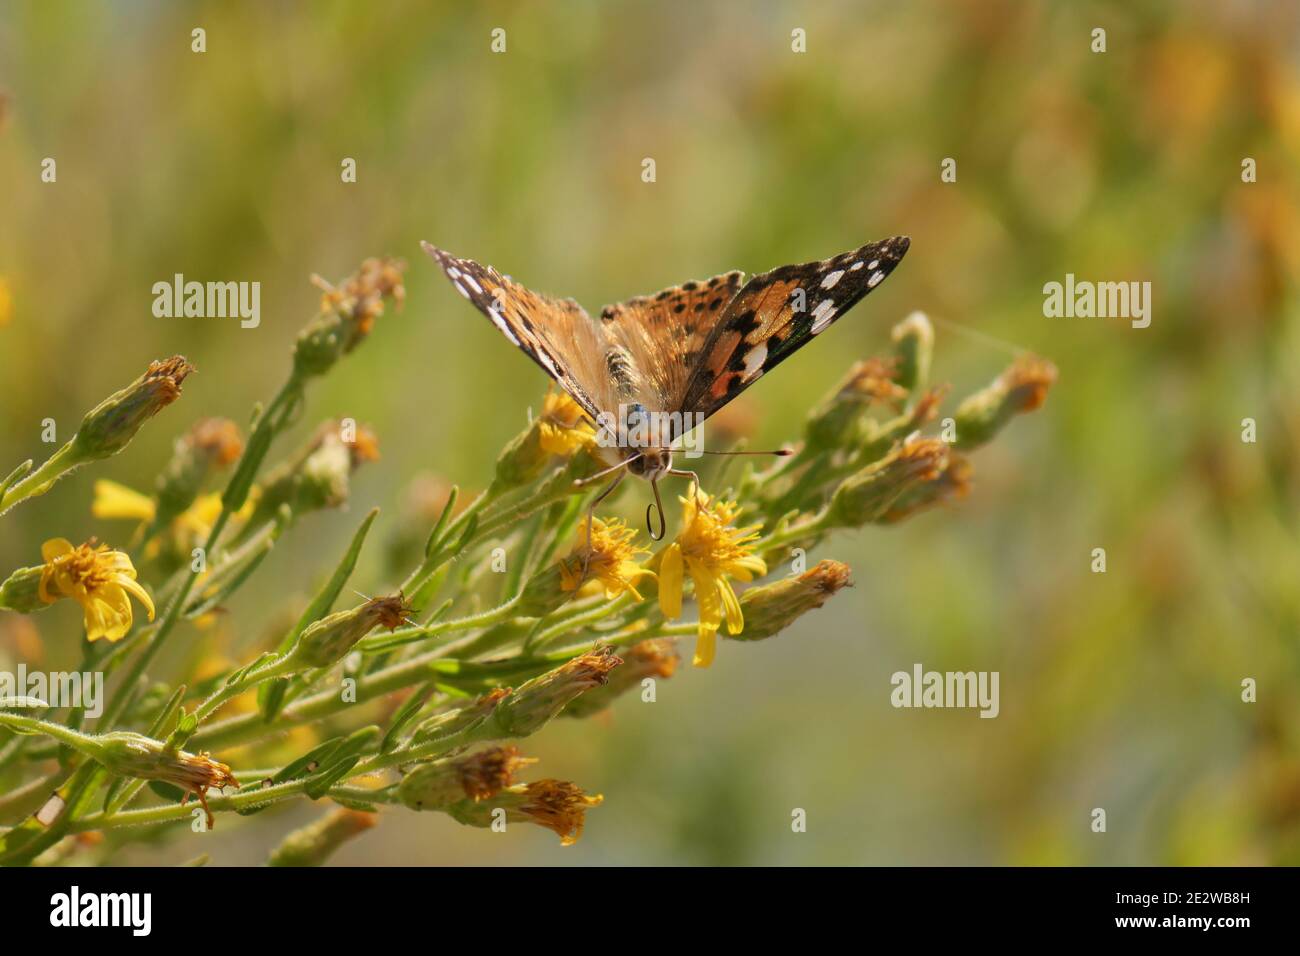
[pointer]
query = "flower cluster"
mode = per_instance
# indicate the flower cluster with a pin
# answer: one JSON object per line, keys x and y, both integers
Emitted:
{"x": 455, "y": 662}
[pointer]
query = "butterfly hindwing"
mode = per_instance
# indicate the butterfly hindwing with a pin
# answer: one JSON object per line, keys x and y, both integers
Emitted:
{"x": 768, "y": 320}
{"x": 663, "y": 336}
{"x": 557, "y": 334}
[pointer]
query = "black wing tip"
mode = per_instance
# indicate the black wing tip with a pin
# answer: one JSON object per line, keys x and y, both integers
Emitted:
{"x": 893, "y": 248}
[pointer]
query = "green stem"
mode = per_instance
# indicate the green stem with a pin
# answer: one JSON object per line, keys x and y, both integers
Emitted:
{"x": 39, "y": 481}
{"x": 408, "y": 635}
{"x": 279, "y": 667}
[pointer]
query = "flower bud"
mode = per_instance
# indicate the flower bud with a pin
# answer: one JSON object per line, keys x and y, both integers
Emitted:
{"x": 868, "y": 494}
{"x": 522, "y": 460}
{"x": 834, "y": 421}
{"x": 328, "y": 641}
{"x": 317, "y": 476}
{"x": 544, "y": 592}
{"x": 555, "y": 804}
{"x": 1021, "y": 388}
{"x": 771, "y": 608}
{"x": 111, "y": 425}
{"x": 315, "y": 843}
{"x": 21, "y": 591}
{"x": 653, "y": 658}
{"x": 561, "y": 430}
{"x": 476, "y": 776}
{"x": 914, "y": 344}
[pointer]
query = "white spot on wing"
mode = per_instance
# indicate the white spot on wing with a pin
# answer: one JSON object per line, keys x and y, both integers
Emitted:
{"x": 875, "y": 279}
{"x": 822, "y": 315}
{"x": 873, "y": 263}
{"x": 460, "y": 288}
{"x": 856, "y": 266}
{"x": 754, "y": 360}
{"x": 832, "y": 278}
{"x": 469, "y": 279}
{"x": 495, "y": 315}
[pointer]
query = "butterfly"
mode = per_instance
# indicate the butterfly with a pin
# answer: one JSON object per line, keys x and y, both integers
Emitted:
{"x": 649, "y": 369}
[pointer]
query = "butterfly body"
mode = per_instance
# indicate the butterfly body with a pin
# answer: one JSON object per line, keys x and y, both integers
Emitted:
{"x": 650, "y": 369}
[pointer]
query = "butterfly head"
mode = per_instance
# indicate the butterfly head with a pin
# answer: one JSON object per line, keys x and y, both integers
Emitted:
{"x": 650, "y": 463}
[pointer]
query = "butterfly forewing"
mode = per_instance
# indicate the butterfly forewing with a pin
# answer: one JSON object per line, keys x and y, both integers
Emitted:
{"x": 689, "y": 349}
{"x": 662, "y": 336}
{"x": 557, "y": 334}
{"x": 778, "y": 312}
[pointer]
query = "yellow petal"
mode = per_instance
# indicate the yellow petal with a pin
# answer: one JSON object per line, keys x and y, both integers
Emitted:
{"x": 141, "y": 595}
{"x": 731, "y": 607}
{"x": 113, "y": 500}
{"x": 55, "y": 547}
{"x": 102, "y": 622}
{"x": 670, "y": 582}
{"x": 706, "y": 642}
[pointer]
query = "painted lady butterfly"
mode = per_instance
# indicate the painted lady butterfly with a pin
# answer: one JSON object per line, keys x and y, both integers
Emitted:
{"x": 677, "y": 356}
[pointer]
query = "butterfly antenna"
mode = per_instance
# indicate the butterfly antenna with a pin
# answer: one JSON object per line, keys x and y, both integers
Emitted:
{"x": 779, "y": 452}
{"x": 658, "y": 506}
{"x": 583, "y": 482}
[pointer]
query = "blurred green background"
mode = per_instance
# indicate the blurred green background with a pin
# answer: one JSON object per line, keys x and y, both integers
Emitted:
{"x": 1118, "y": 690}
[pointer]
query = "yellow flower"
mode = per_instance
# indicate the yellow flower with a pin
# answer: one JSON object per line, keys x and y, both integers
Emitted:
{"x": 199, "y": 517}
{"x": 113, "y": 500}
{"x": 563, "y": 427}
{"x": 6, "y": 303}
{"x": 710, "y": 551}
{"x": 99, "y": 580}
{"x": 611, "y": 560}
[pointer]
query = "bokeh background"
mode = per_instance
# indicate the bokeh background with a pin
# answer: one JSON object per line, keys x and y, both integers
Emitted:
{"x": 1119, "y": 690}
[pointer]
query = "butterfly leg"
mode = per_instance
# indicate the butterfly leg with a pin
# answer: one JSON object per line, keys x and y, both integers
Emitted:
{"x": 695, "y": 481}
{"x": 591, "y": 515}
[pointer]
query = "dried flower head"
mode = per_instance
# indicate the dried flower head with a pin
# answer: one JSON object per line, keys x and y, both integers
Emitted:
{"x": 347, "y": 315}
{"x": 869, "y": 382}
{"x": 558, "y": 805}
{"x": 135, "y": 755}
{"x": 111, "y": 425}
{"x": 1021, "y": 388}
{"x": 868, "y": 495}
{"x": 217, "y": 439}
{"x": 952, "y": 483}
{"x": 475, "y": 776}
{"x": 535, "y": 702}
{"x": 652, "y": 658}
{"x": 328, "y": 640}
{"x": 771, "y": 608}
